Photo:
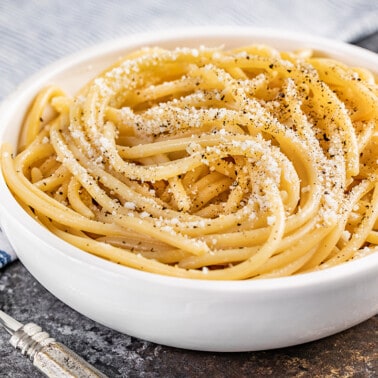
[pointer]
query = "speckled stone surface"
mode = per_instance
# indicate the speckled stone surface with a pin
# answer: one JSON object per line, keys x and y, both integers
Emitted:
{"x": 352, "y": 353}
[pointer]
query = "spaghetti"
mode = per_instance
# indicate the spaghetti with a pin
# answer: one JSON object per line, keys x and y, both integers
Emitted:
{"x": 207, "y": 163}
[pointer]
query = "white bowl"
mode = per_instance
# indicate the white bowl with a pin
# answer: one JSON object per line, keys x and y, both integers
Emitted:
{"x": 193, "y": 314}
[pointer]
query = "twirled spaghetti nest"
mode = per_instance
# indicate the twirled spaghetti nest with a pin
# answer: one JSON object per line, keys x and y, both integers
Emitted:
{"x": 209, "y": 164}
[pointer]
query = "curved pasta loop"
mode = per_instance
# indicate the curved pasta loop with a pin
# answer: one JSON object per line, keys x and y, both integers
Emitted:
{"x": 207, "y": 163}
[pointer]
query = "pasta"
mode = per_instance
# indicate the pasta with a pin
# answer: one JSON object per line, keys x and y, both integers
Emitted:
{"x": 207, "y": 163}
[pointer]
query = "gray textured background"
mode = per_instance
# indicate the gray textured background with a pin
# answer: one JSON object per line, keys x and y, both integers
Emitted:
{"x": 35, "y": 33}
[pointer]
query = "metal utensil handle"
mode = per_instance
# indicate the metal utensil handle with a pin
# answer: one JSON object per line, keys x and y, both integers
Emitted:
{"x": 56, "y": 360}
{"x": 51, "y": 357}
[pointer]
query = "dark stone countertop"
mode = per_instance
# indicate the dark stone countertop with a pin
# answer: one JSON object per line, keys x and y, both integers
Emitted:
{"x": 352, "y": 353}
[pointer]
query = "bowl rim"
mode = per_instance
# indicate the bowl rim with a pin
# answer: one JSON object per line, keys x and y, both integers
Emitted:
{"x": 9, "y": 207}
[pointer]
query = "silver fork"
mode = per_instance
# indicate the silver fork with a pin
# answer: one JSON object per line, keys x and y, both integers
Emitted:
{"x": 49, "y": 356}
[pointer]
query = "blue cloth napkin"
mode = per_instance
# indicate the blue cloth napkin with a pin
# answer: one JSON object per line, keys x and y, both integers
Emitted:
{"x": 7, "y": 253}
{"x": 34, "y": 34}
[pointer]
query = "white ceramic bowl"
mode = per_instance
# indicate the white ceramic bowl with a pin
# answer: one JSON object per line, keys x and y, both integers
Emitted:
{"x": 202, "y": 315}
